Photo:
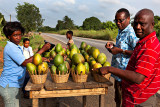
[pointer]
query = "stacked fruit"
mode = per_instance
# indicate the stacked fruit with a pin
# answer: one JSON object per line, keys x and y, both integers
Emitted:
{"x": 59, "y": 66}
{"x": 37, "y": 67}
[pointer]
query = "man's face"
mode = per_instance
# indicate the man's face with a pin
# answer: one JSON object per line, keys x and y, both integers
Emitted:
{"x": 143, "y": 25}
{"x": 15, "y": 37}
{"x": 121, "y": 21}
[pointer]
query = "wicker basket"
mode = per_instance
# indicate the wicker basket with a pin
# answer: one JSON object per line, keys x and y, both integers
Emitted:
{"x": 100, "y": 78}
{"x": 58, "y": 78}
{"x": 38, "y": 79}
{"x": 79, "y": 78}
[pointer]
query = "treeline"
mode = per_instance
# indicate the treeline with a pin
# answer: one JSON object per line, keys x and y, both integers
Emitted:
{"x": 91, "y": 23}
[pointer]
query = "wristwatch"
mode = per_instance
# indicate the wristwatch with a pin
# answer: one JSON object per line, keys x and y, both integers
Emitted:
{"x": 124, "y": 52}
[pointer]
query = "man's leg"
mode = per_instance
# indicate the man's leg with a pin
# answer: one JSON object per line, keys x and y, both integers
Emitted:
{"x": 151, "y": 102}
{"x": 118, "y": 93}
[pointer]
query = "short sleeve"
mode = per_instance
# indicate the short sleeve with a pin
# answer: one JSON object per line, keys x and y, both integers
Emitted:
{"x": 132, "y": 39}
{"x": 16, "y": 55}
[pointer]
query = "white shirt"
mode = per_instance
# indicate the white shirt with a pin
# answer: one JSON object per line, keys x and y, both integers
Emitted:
{"x": 28, "y": 52}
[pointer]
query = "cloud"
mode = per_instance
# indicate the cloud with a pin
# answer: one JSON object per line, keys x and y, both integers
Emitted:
{"x": 110, "y": 1}
{"x": 99, "y": 14}
{"x": 70, "y": 1}
{"x": 59, "y": 4}
{"x": 83, "y": 8}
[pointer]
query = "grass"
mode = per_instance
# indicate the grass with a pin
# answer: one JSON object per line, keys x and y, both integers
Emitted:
{"x": 35, "y": 41}
{"x": 101, "y": 34}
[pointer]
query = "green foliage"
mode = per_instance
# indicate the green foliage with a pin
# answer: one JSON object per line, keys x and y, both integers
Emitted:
{"x": 157, "y": 25}
{"x": 109, "y": 25}
{"x": 46, "y": 28}
{"x": 67, "y": 23}
{"x": 29, "y": 16}
{"x": 91, "y": 23}
{"x": 100, "y": 34}
{"x": 2, "y": 23}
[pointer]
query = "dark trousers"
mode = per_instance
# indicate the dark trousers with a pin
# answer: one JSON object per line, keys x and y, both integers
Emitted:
{"x": 25, "y": 82}
{"x": 151, "y": 102}
{"x": 118, "y": 93}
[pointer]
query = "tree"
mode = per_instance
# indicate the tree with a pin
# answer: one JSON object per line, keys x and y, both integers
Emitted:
{"x": 91, "y": 23}
{"x": 29, "y": 16}
{"x": 109, "y": 25}
{"x": 2, "y": 23}
{"x": 157, "y": 25}
{"x": 60, "y": 25}
{"x": 68, "y": 23}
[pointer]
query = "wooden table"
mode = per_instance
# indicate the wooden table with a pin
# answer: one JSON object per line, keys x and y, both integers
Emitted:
{"x": 50, "y": 89}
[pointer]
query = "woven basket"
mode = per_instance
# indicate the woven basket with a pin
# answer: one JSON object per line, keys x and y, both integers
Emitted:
{"x": 79, "y": 78}
{"x": 38, "y": 79}
{"x": 58, "y": 78}
{"x": 100, "y": 78}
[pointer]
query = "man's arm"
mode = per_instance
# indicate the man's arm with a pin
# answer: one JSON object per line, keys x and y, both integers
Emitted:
{"x": 114, "y": 50}
{"x": 124, "y": 74}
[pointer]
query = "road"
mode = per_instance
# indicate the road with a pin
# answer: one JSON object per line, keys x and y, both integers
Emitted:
{"x": 92, "y": 101}
{"x": 100, "y": 44}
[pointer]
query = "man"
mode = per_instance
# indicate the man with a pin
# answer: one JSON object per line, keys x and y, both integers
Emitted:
{"x": 141, "y": 78}
{"x": 125, "y": 42}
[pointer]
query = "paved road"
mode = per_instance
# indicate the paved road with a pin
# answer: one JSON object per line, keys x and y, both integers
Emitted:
{"x": 92, "y": 101}
{"x": 77, "y": 40}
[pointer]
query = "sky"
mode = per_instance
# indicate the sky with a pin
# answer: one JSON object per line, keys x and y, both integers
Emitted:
{"x": 78, "y": 10}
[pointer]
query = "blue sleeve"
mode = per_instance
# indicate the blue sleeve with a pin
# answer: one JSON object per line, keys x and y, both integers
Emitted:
{"x": 16, "y": 55}
{"x": 132, "y": 39}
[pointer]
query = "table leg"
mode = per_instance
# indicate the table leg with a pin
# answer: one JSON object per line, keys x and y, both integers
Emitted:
{"x": 44, "y": 102}
{"x": 35, "y": 102}
{"x": 84, "y": 101}
{"x": 101, "y": 100}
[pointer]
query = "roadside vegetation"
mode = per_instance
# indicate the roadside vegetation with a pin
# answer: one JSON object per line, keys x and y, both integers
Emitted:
{"x": 35, "y": 41}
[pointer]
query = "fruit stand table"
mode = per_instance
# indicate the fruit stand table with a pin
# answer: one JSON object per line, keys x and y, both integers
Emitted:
{"x": 50, "y": 89}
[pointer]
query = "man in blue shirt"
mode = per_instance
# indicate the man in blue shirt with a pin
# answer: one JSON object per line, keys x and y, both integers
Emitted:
{"x": 125, "y": 42}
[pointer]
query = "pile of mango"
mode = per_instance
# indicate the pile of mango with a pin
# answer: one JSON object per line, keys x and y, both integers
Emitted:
{"x": 37, "y": 67}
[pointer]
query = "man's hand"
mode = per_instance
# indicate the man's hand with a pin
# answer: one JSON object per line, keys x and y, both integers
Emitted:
{"x": 101, "y": 71}
{"x": 109, "y": 45}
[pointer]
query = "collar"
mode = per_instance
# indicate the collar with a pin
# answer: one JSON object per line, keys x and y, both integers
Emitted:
{"x": 125, "y": 28}
{"x": 151, "y": 35}
{"x": 9, "y": 42}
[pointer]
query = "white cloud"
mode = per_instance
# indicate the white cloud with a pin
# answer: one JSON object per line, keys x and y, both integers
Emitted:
{"x": 110, "y": 1}
{"x": 156, "y": 1}
{"x": 59, "y": 4}
{"x": 70, "y": 1}
{"x": 83, "y": 8}
{"x": 99, "y": 14}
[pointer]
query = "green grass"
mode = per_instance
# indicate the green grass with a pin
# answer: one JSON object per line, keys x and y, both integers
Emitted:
{"x": 101, "y": 34}
{"x": 35, "y": 41}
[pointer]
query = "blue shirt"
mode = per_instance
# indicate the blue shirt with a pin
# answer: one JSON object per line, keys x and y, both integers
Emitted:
{"x": 13, "y": 73}
{"x": 126, "y": 40}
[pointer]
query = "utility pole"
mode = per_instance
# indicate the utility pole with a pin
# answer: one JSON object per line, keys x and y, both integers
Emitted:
{"x": 10, "y": 17}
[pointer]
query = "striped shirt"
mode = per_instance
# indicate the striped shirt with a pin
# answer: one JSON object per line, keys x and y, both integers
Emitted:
{"x": 146, "y": 61}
